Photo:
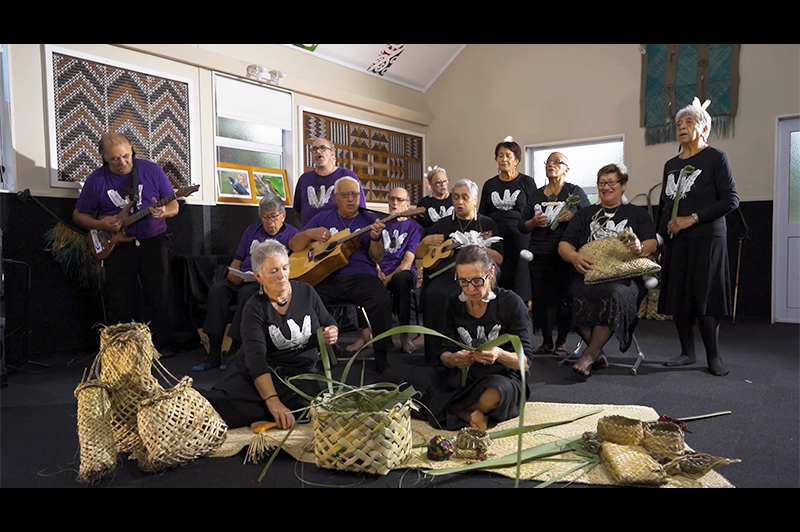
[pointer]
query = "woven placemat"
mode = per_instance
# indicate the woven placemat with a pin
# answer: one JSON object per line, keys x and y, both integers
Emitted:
{"x": 300, "y": 444}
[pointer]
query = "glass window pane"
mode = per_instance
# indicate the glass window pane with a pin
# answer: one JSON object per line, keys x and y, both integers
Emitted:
{"x": 249, "y": 157}
{"x": 584, "y": 162}
{"x": 794, "y": 177}
{"x": 248, "y": 131}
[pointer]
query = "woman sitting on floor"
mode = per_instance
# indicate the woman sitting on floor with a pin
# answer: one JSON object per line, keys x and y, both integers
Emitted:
{"x": 480, "y": 312}
{"x": 279, "y": 326}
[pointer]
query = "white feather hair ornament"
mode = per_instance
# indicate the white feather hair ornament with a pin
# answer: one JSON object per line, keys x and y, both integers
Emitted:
{"x": 474, "y": 238}
{"x": 508, "y": 139}
{"x": 622, "y": 168}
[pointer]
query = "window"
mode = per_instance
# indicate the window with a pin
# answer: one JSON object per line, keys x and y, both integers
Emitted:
{"x": 253, "y": 124}
{"x": 6, "y": 153}
{"x": 586, "y": 157}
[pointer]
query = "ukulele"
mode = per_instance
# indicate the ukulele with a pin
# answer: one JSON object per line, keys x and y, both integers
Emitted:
{"x": 320, "y": 259}
{"x": 104, "y": 242}
{"x": 443, "y": 251}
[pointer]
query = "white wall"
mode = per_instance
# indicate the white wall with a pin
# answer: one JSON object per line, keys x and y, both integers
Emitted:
{"x": 542, "y": 93}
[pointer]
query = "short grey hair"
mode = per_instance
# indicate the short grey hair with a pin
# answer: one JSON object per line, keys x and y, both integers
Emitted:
{"x": 700, "y": 114}
{"x": 266, "y": 249}
{"x": 270, "y": 202}
{"x": 337, "y": 185}
{"x": 473, "y": 188}
{"x": 432, "y": 171}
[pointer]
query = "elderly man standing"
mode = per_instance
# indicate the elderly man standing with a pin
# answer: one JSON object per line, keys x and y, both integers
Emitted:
{"x": 272, "y": 214}
{"x": 142, "y": 265}
{"x": 357, "y": 282}
{"x": 314, "y": 190}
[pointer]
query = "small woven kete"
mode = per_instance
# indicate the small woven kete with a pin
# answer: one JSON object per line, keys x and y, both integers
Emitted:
{"x": 663, "y": 440}
{"x": 177, "y": 426}
{"x": 368, "y": 442}
{"x": 95, "y": 434}
{"x": 620, "y": 430}
{"x": 630, "y": 464}
{"x": 613, "y": 261}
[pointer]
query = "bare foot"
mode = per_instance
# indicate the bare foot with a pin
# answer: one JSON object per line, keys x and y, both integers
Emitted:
{"x": 406, "y": 344}
{"x": 358, "y": 344}
{"x": 477, "y": 420}
{"x": 584, "y": 364}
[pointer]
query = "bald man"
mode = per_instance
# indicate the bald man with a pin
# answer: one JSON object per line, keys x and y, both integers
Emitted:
{"x": 139, "y": 267}
{"x": 314, "y": 191}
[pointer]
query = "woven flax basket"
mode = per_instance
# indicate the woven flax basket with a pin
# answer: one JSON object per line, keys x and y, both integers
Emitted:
{"x": 369, "y": 442}
{"x": 95, "y": 434}
{"x": 177, "y": 426}
{"x": 613, "y": 261}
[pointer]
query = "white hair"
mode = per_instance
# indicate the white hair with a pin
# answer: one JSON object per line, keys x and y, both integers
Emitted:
{"x": 473, "y": 188}
{"x": 700, "y": 114}
{"x": 337, "y": 184}
{"x": 261, "y": 252}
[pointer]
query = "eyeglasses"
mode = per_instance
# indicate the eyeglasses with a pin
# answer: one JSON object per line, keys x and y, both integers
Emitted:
{"x": 555, "y": 163}
{"x": 346, "y": 195}
{"x": 319, "y": 148}
{"x": 270, "y": 217}
{"x": 394, "y": 199}
{"x": 610, "y": 184}
{"x": 440, "y": 182}
{"x": 477, "y": 282}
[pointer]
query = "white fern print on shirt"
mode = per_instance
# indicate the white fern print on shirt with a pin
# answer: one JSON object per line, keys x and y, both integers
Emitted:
{"x": 606, "y": 230}
{"x": 298, "y": 338}
{"x": 324, "y": 196}
{"x": 119, "y": 201}
{"x": 396, "y": 237}
{"x": 436, "y": 215}
{"x": 480, "y": 337}
{"x": 507, "y": 202}
{"x": 672, "y": 184}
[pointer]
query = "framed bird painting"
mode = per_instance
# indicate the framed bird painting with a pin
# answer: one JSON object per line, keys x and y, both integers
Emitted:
{"x": 243, "y": 184}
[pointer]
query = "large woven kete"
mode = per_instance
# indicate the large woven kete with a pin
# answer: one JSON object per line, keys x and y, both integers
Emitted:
{"x": 96, "y": 437}
{"x": 369, "y": 442}
{"x": 177, "y": 426}
{"x": 613, "y": 261}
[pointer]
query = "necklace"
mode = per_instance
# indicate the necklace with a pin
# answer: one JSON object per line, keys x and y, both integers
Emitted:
{"x": 346, "y": 225}
{"x": 463, "y": 228}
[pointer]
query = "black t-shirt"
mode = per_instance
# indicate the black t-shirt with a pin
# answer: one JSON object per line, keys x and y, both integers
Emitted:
{"x": 544, "y": 241}
{"x": 580, "y": 228}
{"x": 503, "y": 201}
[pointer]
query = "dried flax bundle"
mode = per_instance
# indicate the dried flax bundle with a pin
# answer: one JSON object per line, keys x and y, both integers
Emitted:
{"x": 95, "y": 435}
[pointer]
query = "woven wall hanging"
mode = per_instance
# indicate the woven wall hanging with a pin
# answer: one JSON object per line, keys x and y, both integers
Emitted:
{"x": 382, "y": 159}
{"x": 673, "y": 74}
{"x": 90, "y": 98}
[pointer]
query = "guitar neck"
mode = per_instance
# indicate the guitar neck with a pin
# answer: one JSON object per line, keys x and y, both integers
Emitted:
{"x": 133, "y": 218}
{"x": 358, "y": 233}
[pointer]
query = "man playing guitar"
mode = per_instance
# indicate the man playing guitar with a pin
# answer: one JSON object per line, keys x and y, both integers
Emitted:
{"x": 144, "y": 260}
{"x": 356, "y": 282}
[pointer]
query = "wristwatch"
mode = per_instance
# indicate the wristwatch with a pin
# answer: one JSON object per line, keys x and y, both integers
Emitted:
{"x": 696, "y": 218}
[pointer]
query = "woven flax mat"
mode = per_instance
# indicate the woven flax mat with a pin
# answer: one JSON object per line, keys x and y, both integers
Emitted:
{"x": 300, "y": 443}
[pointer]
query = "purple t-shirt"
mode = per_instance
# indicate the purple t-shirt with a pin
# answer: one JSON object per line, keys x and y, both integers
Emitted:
{"x": 107, "y": 192}
{"x": 359, "y": 263}
{"x": 314, "y": 193}
{"x": 255, "y": 234}
{"x": 399, "y": 237}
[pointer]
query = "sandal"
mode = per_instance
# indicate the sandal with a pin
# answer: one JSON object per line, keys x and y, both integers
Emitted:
{"x": 561, "y": 351}
{"x": 543, "y": 350}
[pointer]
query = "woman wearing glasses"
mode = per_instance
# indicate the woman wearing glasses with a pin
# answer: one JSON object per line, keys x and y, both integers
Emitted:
{"x": 503, "y": 198}
{"x": 695, "y": 279}
{"x": 438, "y": 204}
{"x": 550, "y": 274}
{"x": 605, "y": 309}
{"x": 479, "y": 313}
{"x": 272, "y": 215}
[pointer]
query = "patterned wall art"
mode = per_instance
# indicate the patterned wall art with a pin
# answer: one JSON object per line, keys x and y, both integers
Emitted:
{"x": 386, "y": 59}
{"x": 382, "y": 158}
{"x": 90, "y": 96}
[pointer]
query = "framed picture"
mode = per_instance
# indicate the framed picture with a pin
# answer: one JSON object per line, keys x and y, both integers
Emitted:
{"x": 238, "y": 183}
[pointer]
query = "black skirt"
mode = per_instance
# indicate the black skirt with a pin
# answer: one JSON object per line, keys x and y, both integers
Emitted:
{"x": 695, "y": 277}
{"x": 613, "y": 304}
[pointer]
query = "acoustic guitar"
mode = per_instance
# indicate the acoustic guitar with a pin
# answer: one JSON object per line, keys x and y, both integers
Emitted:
{"x": 104, "y": 242}
{"x": 445, "y": 250}
{"x": 320, "y": 259}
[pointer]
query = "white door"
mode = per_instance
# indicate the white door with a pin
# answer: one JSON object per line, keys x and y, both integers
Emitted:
{"x": 786, "y": 224}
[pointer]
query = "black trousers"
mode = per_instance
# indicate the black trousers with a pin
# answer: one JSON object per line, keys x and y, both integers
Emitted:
{"x": 400, "y": 287}
{"x": 140, "y": 273}
{"x": 367, "y": 291}
{"x": 220, "y": 297}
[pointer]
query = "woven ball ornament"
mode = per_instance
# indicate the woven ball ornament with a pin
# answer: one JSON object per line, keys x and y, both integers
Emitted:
{"x": 440, "y": 448}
